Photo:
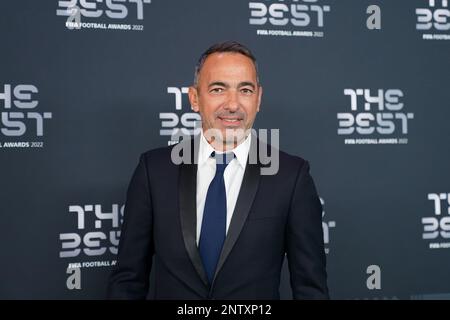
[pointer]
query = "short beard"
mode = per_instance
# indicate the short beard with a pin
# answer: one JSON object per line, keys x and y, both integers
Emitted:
{"x": 228, "y": 140}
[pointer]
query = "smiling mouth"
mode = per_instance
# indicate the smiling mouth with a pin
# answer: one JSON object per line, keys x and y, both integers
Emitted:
{"x": 230, "y": 121}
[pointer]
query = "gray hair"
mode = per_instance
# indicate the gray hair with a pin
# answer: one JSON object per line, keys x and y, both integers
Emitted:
{"x": 227, "y": 46}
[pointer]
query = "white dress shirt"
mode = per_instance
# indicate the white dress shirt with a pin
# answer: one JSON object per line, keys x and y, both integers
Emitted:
{"x": 233, "y": 175}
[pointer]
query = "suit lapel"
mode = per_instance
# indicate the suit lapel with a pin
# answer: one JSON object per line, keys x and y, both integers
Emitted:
{"x": 188, "y": 207}
{"x": 188, "y": 211}
{"x": 244, "y": 203}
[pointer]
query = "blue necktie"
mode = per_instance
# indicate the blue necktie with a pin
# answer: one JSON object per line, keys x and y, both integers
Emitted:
{"x": 213, "y": 232}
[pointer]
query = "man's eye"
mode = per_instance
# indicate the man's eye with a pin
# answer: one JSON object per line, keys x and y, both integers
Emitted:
{"x": 246, "y": 91}
{"x": 216, "y": 90}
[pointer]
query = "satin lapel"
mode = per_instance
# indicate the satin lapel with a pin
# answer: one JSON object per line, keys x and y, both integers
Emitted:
{"x": 188, "y": 212}
{"x": 244, "y": 203}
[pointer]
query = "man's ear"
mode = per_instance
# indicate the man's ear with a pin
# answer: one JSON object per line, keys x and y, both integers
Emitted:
{"x": 193, "y": 98}
{"x": 259, "y": 97}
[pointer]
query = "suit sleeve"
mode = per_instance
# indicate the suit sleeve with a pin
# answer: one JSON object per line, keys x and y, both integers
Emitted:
{"x": 130, "y": 277}
{"x": 304, "y": 240}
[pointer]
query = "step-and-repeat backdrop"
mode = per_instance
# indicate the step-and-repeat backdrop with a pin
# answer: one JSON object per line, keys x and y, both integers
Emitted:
{"x": 360, "y": 88}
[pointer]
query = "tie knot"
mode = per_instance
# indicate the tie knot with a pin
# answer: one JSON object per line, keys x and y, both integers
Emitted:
{"x": 222, "y": 159}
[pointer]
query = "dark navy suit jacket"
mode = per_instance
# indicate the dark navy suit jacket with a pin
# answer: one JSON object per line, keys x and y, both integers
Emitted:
{"x": 275, "y": 215}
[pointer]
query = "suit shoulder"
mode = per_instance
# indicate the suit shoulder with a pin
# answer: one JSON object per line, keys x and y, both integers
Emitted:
{"x": 157, "y": 155}
{"x": 290, "y": 161}
{"x": 161, "y": 151}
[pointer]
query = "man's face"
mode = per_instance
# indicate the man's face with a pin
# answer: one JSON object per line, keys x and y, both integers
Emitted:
{"x": 227, "y": 95}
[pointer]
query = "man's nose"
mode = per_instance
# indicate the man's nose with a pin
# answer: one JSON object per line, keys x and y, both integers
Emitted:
{"x": 233, "y": 101}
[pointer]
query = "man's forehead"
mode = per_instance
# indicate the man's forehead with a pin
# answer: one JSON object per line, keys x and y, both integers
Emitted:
{"x": 231, "y": 83}
{"x": 218, "y": 59}
{"x": 220, "y": 66}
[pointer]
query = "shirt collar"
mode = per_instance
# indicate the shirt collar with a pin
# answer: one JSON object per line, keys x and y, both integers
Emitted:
{"x": 241, "y": 151}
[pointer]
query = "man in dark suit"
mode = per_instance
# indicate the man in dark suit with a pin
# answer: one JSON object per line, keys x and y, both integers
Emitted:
{"x": 203, "y": 215}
